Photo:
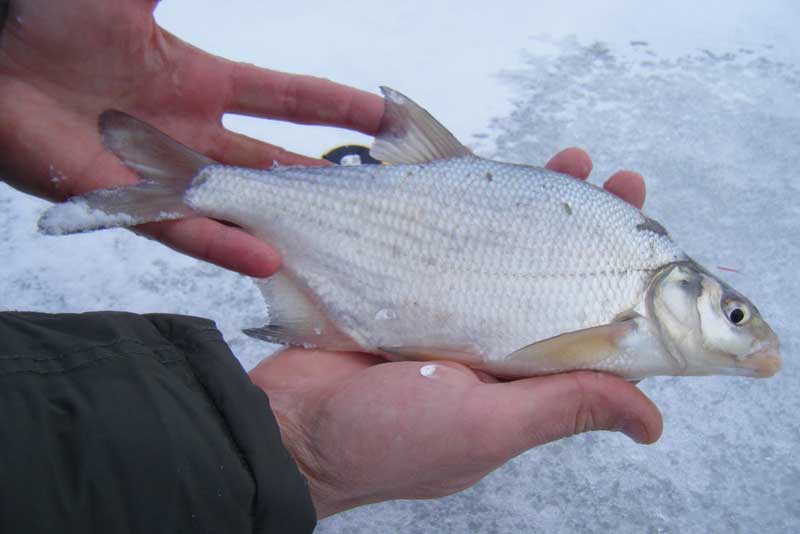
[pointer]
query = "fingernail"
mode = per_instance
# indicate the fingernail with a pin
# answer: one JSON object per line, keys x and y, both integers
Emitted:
{"x": 634, "y": 429}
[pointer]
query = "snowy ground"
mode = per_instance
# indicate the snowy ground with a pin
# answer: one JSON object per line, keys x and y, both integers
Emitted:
{"x": 704, "y": 102}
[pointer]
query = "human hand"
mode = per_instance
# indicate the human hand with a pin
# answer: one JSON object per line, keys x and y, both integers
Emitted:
{"x": 364, "y": 430}
{"x": 63, "y": 63}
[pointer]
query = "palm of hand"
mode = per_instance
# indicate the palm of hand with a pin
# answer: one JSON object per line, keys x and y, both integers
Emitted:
{"x": 62, "y": 64}
{"x": 364, "y": 430}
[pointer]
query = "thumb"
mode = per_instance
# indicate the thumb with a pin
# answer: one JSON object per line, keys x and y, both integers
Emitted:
{"x": 525, "y": 413}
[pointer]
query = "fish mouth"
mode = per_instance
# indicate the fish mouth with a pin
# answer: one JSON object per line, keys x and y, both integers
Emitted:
{"x": 764, "y": 362}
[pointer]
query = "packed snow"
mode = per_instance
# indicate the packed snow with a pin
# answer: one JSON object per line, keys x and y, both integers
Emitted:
{"x": 77, "y": 215}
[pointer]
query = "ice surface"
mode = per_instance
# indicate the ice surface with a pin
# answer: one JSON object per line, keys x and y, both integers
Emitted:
{"x": 116, "y": 270}
{"x": 711, "y": 122}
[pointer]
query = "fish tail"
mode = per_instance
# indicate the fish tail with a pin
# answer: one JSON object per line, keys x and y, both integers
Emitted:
{"x": 166, "y": 169}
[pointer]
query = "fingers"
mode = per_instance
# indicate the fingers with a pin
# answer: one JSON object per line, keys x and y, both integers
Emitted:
{"x": 627, "y": 185}
{"x": 302, "y": 99}
{"x": 217, "y": 243}
{"x": 573, "y": 161}
{"x": 526, "y": 413}
{"x": 243, "y": 151}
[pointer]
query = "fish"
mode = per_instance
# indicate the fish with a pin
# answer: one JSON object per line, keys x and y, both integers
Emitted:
{"x": 443, "y": 255}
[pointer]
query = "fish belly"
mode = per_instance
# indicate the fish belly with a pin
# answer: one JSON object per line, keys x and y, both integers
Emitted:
{"x": 462, "y": 253}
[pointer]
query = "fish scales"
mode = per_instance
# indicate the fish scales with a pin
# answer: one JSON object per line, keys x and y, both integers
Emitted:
{"x": 513, "y": 269}
{"x": 463, "y": 250}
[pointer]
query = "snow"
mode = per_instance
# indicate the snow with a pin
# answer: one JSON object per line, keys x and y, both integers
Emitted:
{"x": 78, "y": 215}
{"x": 427, "y": 370}
{"x": 703, "y": 99}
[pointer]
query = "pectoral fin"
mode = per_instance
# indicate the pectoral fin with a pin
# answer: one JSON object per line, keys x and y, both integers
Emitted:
{"x": 601, "y": 348}
{"x": 593, "y": 348}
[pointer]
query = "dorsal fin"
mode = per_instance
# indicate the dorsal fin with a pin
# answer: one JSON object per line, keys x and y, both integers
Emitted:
{"x": 409, "y": 134}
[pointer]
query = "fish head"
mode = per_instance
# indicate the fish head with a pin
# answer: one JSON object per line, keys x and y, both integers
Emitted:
{"x": 708, "y": 327}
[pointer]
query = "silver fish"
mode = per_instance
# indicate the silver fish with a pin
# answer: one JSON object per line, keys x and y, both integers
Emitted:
{"x": 513, "y": 269}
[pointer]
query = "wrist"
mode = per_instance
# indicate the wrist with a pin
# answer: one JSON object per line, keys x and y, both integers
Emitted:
{"x": 300, "y": 446}
{"x": 296, "y": 443}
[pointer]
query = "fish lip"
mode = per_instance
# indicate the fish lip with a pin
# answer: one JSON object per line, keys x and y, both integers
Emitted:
{"x": 764, "y": 362}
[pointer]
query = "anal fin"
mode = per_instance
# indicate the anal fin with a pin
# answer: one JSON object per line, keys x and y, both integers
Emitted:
{"x": 295, "y": 318}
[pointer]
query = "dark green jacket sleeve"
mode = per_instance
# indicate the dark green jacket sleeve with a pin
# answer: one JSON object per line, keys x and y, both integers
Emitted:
{"x": 123, "y": 423}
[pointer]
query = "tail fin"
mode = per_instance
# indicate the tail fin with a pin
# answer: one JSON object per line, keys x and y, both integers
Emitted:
{"x": 165, "y": 166}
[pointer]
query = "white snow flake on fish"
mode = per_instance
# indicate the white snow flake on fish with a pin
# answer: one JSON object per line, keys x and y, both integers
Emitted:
{"x": 513, "y": 269}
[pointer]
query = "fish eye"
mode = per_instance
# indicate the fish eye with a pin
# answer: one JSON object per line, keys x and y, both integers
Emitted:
{"x": 737, "y": 312}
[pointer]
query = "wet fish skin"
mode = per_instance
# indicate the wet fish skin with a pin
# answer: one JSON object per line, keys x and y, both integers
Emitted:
{"x": 511, "y": 268}
{"x": 455, "y": 253}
